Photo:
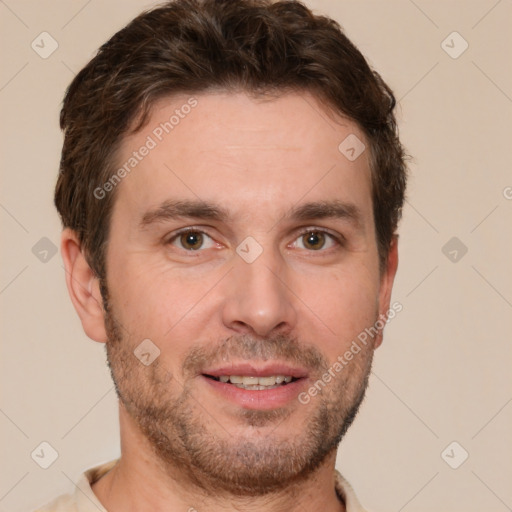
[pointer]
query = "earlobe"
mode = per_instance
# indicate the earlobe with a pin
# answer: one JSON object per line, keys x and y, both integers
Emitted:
{"x": 83, "y": 287}
{"x": 387, "y": 280}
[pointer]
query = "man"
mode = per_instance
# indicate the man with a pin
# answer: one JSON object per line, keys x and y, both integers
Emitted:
{"x": 230, "y": 187}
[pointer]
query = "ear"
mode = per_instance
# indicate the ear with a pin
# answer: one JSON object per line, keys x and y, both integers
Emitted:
{"x": 83, "y": 287}
{"x": 386, "y": 284}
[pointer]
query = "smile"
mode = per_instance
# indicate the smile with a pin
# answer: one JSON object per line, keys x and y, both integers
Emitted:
{"x": 254, "y": 383}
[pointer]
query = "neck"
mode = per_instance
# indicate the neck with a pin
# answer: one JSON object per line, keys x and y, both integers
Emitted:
{"x": 139, "y": 482}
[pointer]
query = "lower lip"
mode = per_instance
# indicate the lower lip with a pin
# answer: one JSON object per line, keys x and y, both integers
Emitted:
{"x": 264, "y": 399}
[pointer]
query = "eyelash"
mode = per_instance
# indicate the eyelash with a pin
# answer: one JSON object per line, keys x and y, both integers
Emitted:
{"x": 338, "y": 239}
{"x": 190, "y": 229}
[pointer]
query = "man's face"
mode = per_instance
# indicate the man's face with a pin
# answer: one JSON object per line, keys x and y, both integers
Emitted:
{"x": 242, "y": 245}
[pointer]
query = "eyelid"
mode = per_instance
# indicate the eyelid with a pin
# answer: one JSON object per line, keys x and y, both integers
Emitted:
{"x": 169, "y": 238}
{"x": 334, "y": 235}
{"x": 337, "y": 237}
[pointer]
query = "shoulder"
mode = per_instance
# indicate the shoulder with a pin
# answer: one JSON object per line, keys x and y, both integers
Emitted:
{"x": 82, "y": 499}
{"x": 347, "y": 494}
{"x": 64, "y": 503}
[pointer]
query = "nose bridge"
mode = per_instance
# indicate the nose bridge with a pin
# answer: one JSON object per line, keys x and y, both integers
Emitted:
{"x": 259, "y": 299}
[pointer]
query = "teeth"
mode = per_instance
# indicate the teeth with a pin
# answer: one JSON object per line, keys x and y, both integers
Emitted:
{"x": 255, "y": 382}
{"x": 250, "y": 381}
{"x": 266, "y": 381}
{"x": 255, "y": 387}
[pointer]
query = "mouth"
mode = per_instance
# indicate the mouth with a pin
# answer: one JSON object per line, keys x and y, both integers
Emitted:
{"x": 254, "y": 383}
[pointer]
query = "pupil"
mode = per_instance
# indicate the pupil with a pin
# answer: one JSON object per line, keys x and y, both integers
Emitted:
{"x": 192, "y": 240}
{"x": 314, "y": 240}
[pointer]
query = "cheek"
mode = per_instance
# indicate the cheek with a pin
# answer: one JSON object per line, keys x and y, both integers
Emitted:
{"x": 157, "y": 302}
{"x": 340, "y": 304}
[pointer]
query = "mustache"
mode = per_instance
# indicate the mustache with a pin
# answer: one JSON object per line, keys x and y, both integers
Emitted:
{"x": 286, "y": 349}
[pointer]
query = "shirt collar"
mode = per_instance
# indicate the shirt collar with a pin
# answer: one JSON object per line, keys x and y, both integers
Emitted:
{"x": 85, "y": 496}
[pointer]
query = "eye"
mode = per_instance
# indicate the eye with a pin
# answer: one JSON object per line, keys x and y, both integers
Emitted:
{"x": 315, "y": 240}
{"x": 191, "y": 240}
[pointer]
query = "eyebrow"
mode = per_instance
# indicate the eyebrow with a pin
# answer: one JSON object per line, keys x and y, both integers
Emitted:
{"x": 335, "y": 209}
{"x": 170, "y": 210}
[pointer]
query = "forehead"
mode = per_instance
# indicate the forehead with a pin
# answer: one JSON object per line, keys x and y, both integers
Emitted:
{"x": 243, "y": 152}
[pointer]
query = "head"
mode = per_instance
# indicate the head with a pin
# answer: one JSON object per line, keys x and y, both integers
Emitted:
{"x": 230, "y": 186}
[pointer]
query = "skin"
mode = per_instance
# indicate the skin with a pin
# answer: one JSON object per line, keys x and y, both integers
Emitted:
{"x": 258, "y": 159}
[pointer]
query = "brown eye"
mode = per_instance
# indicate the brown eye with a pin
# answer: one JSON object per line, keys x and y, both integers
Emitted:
{"x": 191, "y": 240}
{"x": 313, "y": 240}
{"x": 316, "y": 240}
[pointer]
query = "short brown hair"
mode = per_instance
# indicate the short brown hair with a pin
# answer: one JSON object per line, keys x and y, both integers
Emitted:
{"x": 257, "y": 46}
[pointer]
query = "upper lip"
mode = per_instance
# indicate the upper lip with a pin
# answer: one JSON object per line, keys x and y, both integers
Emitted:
{"x": 257, "y": 370}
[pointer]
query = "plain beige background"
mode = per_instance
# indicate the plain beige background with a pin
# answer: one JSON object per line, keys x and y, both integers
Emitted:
{"x": 443, "y": 373}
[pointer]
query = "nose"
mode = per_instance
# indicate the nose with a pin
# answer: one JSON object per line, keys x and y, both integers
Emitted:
{"x": 259, "y": 301}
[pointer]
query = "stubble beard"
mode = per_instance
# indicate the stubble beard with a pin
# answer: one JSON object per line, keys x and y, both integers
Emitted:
{"x": 191, "y": 443}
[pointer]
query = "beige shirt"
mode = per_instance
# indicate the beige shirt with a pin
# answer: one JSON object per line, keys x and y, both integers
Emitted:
{"x": 83, "y": 498}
